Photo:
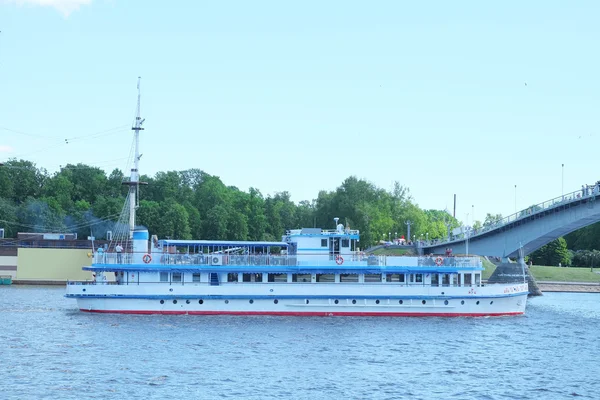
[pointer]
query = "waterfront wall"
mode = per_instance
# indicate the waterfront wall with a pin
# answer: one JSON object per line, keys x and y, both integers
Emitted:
{"x": 8, "y": 265}
{"x": 52, "y": 264}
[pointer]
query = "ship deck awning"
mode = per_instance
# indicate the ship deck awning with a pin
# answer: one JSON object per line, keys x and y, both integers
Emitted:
{"x": 220, "y": 243}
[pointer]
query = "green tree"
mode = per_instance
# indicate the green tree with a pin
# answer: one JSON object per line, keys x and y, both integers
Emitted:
{"x": 554, "y": 253}
{"x": 8, "y": 218}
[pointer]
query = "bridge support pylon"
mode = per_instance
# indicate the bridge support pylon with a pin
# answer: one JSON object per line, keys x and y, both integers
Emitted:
{"x": 512, "y": 272}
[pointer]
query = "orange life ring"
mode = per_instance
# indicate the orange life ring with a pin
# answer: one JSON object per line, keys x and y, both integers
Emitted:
{"x": 439, "y": 261}
{"x": 147, "y": 258}
{"x": 339, "y": 260}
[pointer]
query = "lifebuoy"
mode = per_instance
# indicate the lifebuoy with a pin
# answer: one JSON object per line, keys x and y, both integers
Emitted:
{"x": 439, "y": 261}
{"x": 339, "y": 260}
{"x": 147, "y": 258}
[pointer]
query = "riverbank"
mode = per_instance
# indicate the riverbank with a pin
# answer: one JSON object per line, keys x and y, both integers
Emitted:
{"x": 574, "y": 287}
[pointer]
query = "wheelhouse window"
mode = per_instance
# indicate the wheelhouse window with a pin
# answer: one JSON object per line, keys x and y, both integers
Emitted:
{"x": 348, "y": 278}
{"x": 467, "y": 279}
{"x": 277, "y": 278}
{"x": 445, "y": 279}
{"x": 252, "y": 277}
{"x": 164, "y": 277}
{"x": 477, "y": 279}
{"x": 232, "y": 277}
{"x": 395, "y": 278}
{"x": 176, "y": 277}
{"x": 419, "y": 278}
{"x": 345, "y": 242}
{"x": 303, "y": 278}
{"x": 369, "y": 278}
{"x": 435, "y": 280}
{"x": 454, "y": 279}
{"x": 323, "y": 242}
{"x": 196, "y": 277}
{"x": 326, "y": 278}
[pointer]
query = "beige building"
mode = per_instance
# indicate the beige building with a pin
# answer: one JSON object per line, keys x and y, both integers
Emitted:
{"x": 59, "y": 265}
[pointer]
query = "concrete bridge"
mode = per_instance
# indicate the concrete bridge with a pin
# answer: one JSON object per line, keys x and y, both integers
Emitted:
{"x": 530, "y": 228}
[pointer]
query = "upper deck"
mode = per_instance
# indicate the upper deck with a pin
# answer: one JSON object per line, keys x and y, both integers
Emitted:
{"x": 283, "y": 262}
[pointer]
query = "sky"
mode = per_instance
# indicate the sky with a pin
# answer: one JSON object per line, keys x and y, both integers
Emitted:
{"x": 496, "y": 102}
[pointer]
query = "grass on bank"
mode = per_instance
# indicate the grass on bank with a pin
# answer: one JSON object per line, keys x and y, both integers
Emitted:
{"x": 392, "y": 252}
{"x": 564, "y": 274}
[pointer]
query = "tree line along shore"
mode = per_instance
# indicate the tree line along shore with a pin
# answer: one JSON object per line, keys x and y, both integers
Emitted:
{"x": 190, "y": 204}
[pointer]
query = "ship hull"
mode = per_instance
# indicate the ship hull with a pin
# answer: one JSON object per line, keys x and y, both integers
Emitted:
{"x": 493, "y": 300}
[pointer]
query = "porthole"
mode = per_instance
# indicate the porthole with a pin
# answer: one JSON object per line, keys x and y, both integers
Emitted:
{"x": 336, "y": 301}
{"x": 477, "y": 302}
{"x": 226, "y": 301}
{"x": 400, "y": 301}
{"x": 307, "y": 301}
{"x": 423, "y": 302}
{"x": 251, "y": 301}
{"x": 446, "y": 302}
{"x": 187, "y": 302}
{"x": 174, "y": 301}
{"x": 353, "y": 301}
{"x": 200, "y": 301}
{"x": 491, "y": 302}
{"x": 170, "y": 290}
{"x": 376, "y": 301}
{"x": 162, "y": 302}
{"x": 275, "y": 301}
{"x": 462, "y": 302}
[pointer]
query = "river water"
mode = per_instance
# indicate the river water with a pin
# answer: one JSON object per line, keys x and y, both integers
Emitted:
{"x": 50, "y": 350}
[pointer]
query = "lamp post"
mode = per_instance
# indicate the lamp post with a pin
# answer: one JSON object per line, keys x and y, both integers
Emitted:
{"x": 396, "y": 235}
{"x": 562, "y": 181}
{"x": 389, "y": 236}
{"x": 408, "y": 230}
{"x": 515, "y": 199}
{"x": 473, "y": 214}
{"x": 427, "y": 237}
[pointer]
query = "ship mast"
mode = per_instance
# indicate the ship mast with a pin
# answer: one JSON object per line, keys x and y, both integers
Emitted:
{"x": 134, "y": 179}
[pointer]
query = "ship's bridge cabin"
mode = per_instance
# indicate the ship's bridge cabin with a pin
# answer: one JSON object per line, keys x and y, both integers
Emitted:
{"x": 321, "y": 244}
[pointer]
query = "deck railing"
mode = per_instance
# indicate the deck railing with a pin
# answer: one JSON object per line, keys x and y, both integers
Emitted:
{"x": 313, "y": 260}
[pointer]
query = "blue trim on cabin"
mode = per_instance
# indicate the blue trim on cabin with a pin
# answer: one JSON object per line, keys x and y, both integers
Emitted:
{"x": 335, "y": 235}
{"x": 140, "y": 235}
{"x": 281, "y": 297}
{"x": 224, "y": 243}
{"x": 334, "y": 269}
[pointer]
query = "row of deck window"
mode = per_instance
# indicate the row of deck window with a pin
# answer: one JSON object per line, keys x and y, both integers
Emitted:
{"x": 433, "y": 279}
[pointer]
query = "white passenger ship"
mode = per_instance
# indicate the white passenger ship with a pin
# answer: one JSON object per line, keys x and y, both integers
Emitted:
{"x": 311, "y": 272}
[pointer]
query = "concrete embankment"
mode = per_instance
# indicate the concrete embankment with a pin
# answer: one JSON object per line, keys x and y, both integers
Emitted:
{"x": 44, "y": 282}
{"x": 578, "y": 287}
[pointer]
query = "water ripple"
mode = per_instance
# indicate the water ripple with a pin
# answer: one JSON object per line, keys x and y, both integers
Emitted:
{"x": 50, "y": 350}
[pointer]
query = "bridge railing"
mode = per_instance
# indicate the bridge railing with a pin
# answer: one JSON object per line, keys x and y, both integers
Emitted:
{"x": 590, "y": 192}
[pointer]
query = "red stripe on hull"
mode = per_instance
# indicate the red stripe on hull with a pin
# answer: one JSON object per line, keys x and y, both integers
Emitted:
{"x": 308, "y": 314}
